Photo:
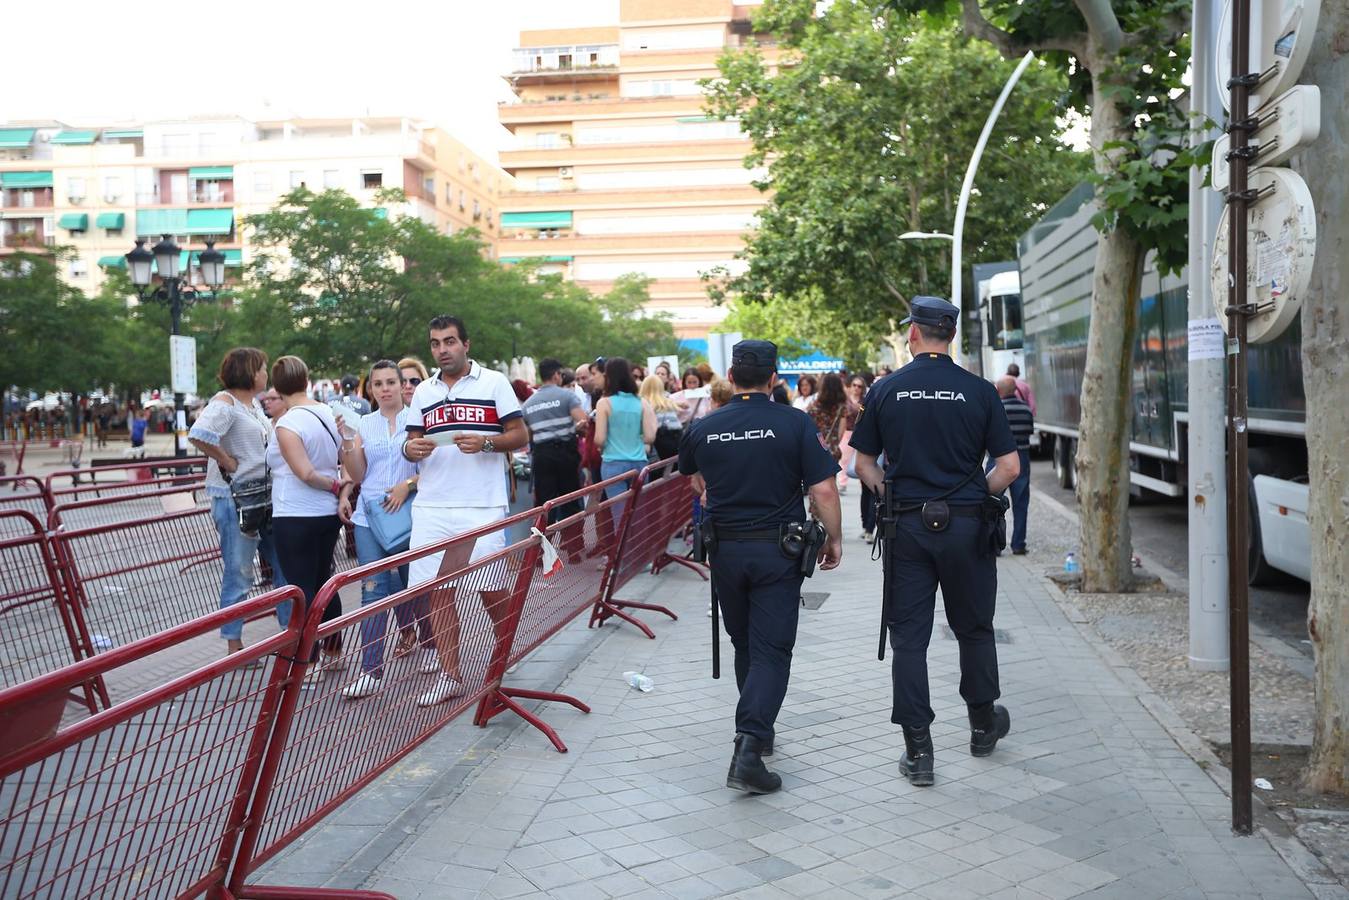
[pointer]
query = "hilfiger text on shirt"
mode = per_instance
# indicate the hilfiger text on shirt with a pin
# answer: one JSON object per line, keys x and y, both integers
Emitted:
{"x": 461, "y": 415}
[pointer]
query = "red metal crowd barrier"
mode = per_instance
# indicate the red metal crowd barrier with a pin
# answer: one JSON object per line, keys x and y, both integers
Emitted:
{"x": 145, "y": 799}
{"x": 327, "y": 746}
{"x": 130, "y": 471}
{"x": 24, "y": 492}
{"x": 12, "y": 450}
{"x": 75, "y": 508}
{"x": 39, "y": 631}
{"x": 661, "y": 506}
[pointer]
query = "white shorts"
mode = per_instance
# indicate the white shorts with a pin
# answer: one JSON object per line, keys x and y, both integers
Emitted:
{"x": 431, "y": 524}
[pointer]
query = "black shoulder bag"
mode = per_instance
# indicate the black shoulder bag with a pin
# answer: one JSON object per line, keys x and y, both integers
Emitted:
{"x": 252, "y": 497}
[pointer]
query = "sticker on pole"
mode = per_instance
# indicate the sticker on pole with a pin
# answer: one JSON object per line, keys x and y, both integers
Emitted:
{"x": 1280, "y": 250}
{"x": 1205, "y": 339}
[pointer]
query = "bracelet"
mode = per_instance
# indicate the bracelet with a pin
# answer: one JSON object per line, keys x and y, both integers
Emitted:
{"x": 411, "y": 483}
{"x": 335, "y": 488}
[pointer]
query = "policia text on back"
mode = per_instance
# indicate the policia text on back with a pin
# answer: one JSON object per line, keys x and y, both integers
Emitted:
{"x": 942, "y": 526}
{"x": 755, "y": 463}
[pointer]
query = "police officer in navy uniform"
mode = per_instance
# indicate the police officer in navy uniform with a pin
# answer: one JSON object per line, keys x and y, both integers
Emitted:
{"x": 758, "y": 461}
{"x": 935, "y": 421}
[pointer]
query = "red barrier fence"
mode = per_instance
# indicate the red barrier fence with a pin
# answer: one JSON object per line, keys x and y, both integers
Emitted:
{"x": 661, "y": 507}
{"x": 39, "y": 631}
{"x": 11, "y": 457}
{"x": 81, "y": 508}
{"x": 130, "y": 471}
{"x": 145, "y": 799}
{"x": 26, "y": 493}
{"x": 328, "y": 746}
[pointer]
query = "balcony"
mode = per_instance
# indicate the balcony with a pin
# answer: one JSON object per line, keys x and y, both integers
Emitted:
{"x": 25, "y": 234}
{"x": 27, "y": 198}
{"x": 544, "y": 65}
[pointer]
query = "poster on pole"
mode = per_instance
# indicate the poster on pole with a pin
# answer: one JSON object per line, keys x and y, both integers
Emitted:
{"x": 183, "y": 364}
{"x": 1205, "y": 339}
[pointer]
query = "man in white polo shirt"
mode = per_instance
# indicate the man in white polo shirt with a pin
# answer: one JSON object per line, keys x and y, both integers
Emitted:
{"x": 460, "y": 427}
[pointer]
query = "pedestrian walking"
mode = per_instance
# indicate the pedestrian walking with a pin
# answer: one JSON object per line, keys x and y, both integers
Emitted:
{"x": 805, "y": 392}
{"x": 461, "y": 425}
{"x": 381, "y": 514}
{"x": 1022, "y": 422}
{"x": 234, "y": 434}
{"x": 305, "y": 487}
{"x": 625, "y": 426}
{"x": 935, "y": 422}
{"x": 757, "y": 461}
{"x": 830, "y": 412}
{"x": 553, "y": 416}
{"x": 1023, "y": 389}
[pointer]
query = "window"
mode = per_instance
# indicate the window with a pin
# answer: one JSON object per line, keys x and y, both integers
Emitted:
{"x": 449, "y": 194}
{"x": 547, "y": 183}
{"x": 296, "y": 179}
{"x": 463, "y": 199}
{"x": 78, "y": 268}
{"x": 429, "y": 187}
{"x": 476, "y": 175}
{"x": 331, "y": 179}
{"x": 112, "y": 188}
{"x": 477, "y": 210}
{"x": 545, "y": 140}
{"x": 262, "y": 184}
{"x": 75, "y": 189}
{"x": 372, "y": 180}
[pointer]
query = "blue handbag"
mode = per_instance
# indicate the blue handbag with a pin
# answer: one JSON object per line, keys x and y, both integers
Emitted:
{"x": 391, "y": 530}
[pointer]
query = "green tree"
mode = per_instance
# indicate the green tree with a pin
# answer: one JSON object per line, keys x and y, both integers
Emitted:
{"x": 1125, "y": 60}
{"x": 866, "y": 128}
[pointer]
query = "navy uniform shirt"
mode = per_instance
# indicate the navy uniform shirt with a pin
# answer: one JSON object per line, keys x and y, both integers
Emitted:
{"x": 757, "y": 458}
{"x": 934, "y": 421}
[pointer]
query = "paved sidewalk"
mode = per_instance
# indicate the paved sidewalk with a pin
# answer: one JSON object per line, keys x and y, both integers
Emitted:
{"x": 1088, "y": 796}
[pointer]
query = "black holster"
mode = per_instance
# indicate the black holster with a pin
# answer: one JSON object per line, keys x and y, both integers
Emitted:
{"x": 802, "y": 541}
{"x": 993, "y": 514}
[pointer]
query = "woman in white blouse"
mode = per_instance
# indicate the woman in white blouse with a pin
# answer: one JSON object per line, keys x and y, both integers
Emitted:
{"x": 375, "y": 461}
{"x": 233, "y": 433}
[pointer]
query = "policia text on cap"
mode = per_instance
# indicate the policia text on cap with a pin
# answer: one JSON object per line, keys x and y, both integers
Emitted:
{"x": 943, "y": 525}
{"x": 755, "y": 461}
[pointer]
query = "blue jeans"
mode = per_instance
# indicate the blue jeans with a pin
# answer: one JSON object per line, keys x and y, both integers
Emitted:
{"x": 610, "y": 468}
{"x": 1020, "y": 489}
{"x": 236, "y": 554}
{"x": 415, "y": 612}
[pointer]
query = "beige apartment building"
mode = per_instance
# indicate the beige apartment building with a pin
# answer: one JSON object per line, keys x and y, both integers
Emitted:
{"x": 617, "y": 168}
{"x": 97, "y": 189}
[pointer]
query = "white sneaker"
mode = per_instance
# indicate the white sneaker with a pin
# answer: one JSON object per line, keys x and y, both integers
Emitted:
{"x": 510, "y": 670}
{"x": 869, "y": 537}
{"x": 446, "y": 687}
{"x": 430, "y": 664}
{"x": 364, "y": 686}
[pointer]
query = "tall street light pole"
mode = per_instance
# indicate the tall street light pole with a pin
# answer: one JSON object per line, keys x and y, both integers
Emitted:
{"x": 166, "y": 258}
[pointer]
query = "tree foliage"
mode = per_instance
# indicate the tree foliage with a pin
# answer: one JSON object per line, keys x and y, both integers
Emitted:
{"x": 866, "y": 128}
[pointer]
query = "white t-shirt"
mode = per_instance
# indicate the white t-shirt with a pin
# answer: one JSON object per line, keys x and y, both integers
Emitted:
{"x": 290, "y": 495}
{"x": 481, "y": 402}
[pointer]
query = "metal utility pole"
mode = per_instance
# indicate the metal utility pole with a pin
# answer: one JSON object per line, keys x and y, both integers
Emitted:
{"x": 1206, "y": 456}
{"x": 1238, "y": 508}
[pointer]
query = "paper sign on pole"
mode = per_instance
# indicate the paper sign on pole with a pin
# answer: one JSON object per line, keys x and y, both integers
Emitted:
{"x": 183, "y": 364}
{"x": 1205, "y": 339}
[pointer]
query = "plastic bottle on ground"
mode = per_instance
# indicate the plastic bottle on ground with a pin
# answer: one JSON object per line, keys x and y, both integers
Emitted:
{"x": 1070, "y": 565}
{"x": 639, "y": 681}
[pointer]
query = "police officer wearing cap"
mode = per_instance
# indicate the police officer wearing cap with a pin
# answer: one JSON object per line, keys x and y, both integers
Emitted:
{"x": 757, "y": 462}
{"x": 935, "y": 421}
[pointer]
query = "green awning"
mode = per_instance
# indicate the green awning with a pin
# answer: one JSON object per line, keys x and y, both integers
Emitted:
{"x": 112, "y": 262}
{"x": 124, "y": 133}
{"x": 688, "y": 120}
{"x": 111, "y": 221}
{"x": 512, "y": 260}
{"x": 74, "y": 221}
{"x": 209, "y": 221}
{"x": 74, "y": 137}
{"x": 536, "y": 220}
{"x": 232, "y": 258}
{"x": 211, "y": 173}
{"x": 25, "y": 179}
{"x": 16, "y": 138}
{"x": 154, "y": 222}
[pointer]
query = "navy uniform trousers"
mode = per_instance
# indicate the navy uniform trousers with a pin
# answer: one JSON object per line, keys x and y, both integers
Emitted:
{"x": 967, "y": 573}
{"x": 759, "y": 590}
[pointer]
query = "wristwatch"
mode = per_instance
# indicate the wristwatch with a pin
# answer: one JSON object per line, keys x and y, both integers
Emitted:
{"x": 488, "y": 446}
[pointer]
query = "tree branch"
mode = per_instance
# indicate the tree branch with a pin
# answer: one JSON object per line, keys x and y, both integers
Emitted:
{"x": 885, "y": 282}
{"x": 975, "y": 25}
{"x": 1102, "y": 24}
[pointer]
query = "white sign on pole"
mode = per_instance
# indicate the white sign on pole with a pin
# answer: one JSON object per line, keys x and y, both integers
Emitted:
{"x": 719, "y": 346}
{"x": 672, "y": 362}
{"x": 1205, "y": 339}
{"x": 1290, "y": 122}
{"x": 183, "y": 364}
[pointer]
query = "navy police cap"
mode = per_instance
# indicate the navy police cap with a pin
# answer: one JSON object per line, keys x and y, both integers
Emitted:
{"x": 932, "y": 311}
{"x": 763, "y": 354}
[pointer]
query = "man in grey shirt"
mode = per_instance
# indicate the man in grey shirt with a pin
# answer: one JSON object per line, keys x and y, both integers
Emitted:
{"x": 553, "y": 414}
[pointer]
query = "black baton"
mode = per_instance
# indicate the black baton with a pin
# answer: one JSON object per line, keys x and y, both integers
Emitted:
{"x": 885, "y": 532}
{"x": 716, "y": 624}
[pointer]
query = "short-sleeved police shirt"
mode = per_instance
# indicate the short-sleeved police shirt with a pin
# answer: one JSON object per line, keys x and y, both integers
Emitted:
{"x": 757, "y": 458}
{"x": 934, "y": 421}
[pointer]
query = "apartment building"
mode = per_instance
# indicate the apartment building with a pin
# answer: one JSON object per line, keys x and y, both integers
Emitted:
{"x": 97, "y": 189}
{"x": 617, "y": 168}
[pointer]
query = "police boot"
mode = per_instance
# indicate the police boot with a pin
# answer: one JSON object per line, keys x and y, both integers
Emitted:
{"x": 916, "y": 763}
{"x": 989, "y": 723}
{"x": 748, "y": 773}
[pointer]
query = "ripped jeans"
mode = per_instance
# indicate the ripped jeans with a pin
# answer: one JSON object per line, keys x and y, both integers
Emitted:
{"x": 412, "y": 613}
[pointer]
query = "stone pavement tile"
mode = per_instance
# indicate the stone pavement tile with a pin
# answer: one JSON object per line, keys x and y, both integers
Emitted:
{"x": 1070, "y": 881}
{"x": 503, "y": 886}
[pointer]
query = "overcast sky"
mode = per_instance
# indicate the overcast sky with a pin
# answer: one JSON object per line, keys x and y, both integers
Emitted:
{"x": 94, "y": 62}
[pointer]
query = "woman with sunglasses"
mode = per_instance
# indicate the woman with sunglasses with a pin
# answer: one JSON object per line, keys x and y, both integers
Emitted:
{"x": 387, "y": 479}
{"x": 413, "y": 371}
